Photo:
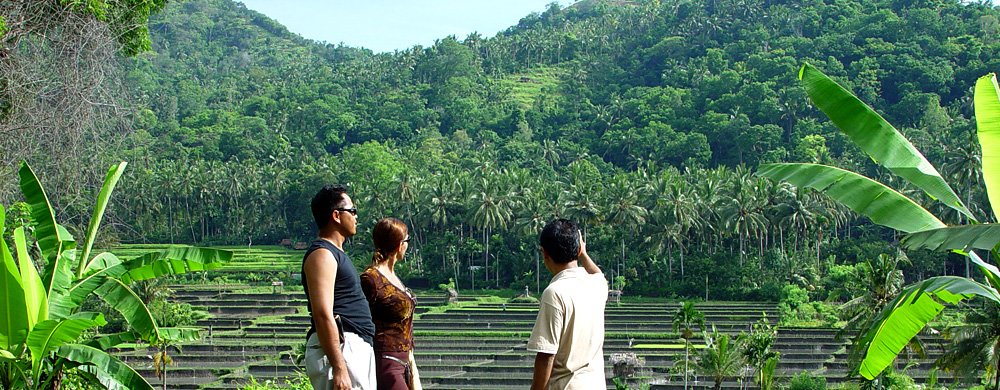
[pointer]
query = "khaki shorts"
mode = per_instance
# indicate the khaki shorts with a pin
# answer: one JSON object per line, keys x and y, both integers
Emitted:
{"x": 358, "y": 355}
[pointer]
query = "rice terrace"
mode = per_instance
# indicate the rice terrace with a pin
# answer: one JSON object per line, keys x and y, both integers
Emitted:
{"x": 255, "y": 329}
{"x": 454, "y": 194}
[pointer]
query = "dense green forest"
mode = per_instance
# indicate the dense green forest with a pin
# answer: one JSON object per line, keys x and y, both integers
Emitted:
{"x": 643, "y": 120}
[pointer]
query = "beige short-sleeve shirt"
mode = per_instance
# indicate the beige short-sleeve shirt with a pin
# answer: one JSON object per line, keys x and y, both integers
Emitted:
{"x": 570, "y": 325}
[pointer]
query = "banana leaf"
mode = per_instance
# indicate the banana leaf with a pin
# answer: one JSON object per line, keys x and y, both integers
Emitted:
{"x": 172, "y": 261}
{"x": 110, "y": 181}
{"x": 906, "y": 315}
{"x": 961, "y": 238}
{"x": 873, "y": 134}
{"x": 49, "y": 335}
{"x": 102, "y": 262}
{"x": 51, "y": 239}
{"x": 179, "y": 334}
{"x": 62, "y": 304}
{"x": 111, "y": 372}
{"x": 13, "y": 311}
{"x": 867, "y": 197}
{"x": 59, "y": 272}
{"x": 121, "y": 298}
{"x": 987, "y": 102}
{"x": 990, "y": 270}
{"x": 113, "y": 340}
{"x": 34, "y": 292}
{"x": 102, "y": 267}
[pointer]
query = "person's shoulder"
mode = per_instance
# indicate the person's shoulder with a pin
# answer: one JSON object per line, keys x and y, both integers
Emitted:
{"x": 319, "y": 254}
{"x": 368, "y": 273}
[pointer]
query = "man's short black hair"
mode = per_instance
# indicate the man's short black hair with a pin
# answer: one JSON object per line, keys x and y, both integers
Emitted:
{"x": 561, "y": 240}
{"x": 328, "y": 198}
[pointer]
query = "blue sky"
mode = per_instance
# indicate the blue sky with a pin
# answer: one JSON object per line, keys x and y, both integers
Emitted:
{"x": 387, "y": 25}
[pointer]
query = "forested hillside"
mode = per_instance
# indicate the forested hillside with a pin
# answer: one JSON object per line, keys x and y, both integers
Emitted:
{"x": 644, "y": 120}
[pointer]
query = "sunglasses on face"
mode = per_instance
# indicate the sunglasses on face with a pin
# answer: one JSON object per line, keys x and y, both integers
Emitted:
{"x": 352, "y": 210}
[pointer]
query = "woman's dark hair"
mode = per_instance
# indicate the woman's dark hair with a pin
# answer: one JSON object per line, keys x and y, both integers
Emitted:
{"x": 386, "y": 237}
{"x": 561, "y": 240}
{"x": 328, "y": 198}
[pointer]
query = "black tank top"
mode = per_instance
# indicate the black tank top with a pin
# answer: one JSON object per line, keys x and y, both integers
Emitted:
{"x": 349, "y": 301}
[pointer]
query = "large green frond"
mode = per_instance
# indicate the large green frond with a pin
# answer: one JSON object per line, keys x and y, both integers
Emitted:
{"x": 35, "y": 299}
{"x": 172, "y": 261}
{"x": 121, "y": 298}
{"x": 111, "y": 372}
{"x": 962, "y": 238}
{"x": 13, "y": 311}
{"x": 904, "y": 317}
{"x": 867, "y": 197}
{"x": 51, "y": 239}
{"x": 110, "y": 181}
{"x": 987, "y": 101}
{"x": 49, "y": 335}
{"x": 876, "y": 137}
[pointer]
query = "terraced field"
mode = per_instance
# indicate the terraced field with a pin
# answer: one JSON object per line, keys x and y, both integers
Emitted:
{"x": 475, "y": 346}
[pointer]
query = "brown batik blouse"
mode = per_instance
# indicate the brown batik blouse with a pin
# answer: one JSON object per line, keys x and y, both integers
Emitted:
{"x": 392, "y": 312}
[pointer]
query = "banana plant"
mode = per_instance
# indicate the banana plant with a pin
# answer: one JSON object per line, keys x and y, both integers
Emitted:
{"x": 42, "y": 329}
{"x": 916, "y": 305}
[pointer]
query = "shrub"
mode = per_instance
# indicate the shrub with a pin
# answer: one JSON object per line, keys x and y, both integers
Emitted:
{"x": 171, "y": 314}
{"x": 806, "y": 381}
{"x": 298, "y": 382}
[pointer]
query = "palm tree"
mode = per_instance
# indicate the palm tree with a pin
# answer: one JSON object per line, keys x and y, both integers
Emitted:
{"x": 624, "y": 209}
{"x": 684, "y": 321}
{"x": 580, "y": 207}
{"x": 797, "y": 215}
{"x": 743, "y": 215}
{"x": 441, "y": 201}
{"x": 533, "y": 217}
{"x": 976, "y": 344}
{"x": 708, "y": 185}
{"x": 721, "y": 358}
{"x": 492, "y": 211}
{"x": 679, "y": 202}
{"x": 550, "y": 152}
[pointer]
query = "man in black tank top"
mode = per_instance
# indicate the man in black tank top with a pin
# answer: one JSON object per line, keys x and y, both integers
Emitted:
{"x": 337, "y": 306}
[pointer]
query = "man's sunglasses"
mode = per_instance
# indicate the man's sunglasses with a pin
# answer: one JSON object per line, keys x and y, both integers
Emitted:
{"x": 352, "y": 210}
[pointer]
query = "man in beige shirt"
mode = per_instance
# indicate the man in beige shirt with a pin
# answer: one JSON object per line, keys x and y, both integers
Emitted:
{"x": 568, "y": 337}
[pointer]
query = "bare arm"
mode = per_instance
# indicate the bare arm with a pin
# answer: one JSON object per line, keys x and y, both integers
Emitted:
{"x": 585, "y": 261}
{"x": 543, "y": 370}
{"x": 321, "y": 273}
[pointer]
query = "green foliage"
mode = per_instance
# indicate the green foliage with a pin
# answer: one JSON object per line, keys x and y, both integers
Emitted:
{"x": 756, "y": 350}
{"x": 126, "y": 18}
{"x": 895, "y": 326}
{"x": 18, "y": 216}
{"x": 44, "y": 329}
{"x": 239, "y": 121}
{"x": 720, "y": 359}
{"x": 172, "y": 314}
{"x": 807, "y": 381}
{"x": 796, "y": 309}
{"x": 974, "y": 344}
{"x": 447, "y": 286}
{"x": 619, "y": 283}
{"x": 299, "y": 382}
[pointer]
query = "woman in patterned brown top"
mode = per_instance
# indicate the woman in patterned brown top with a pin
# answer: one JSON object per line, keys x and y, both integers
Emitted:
{"x": 392, "y": 307}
